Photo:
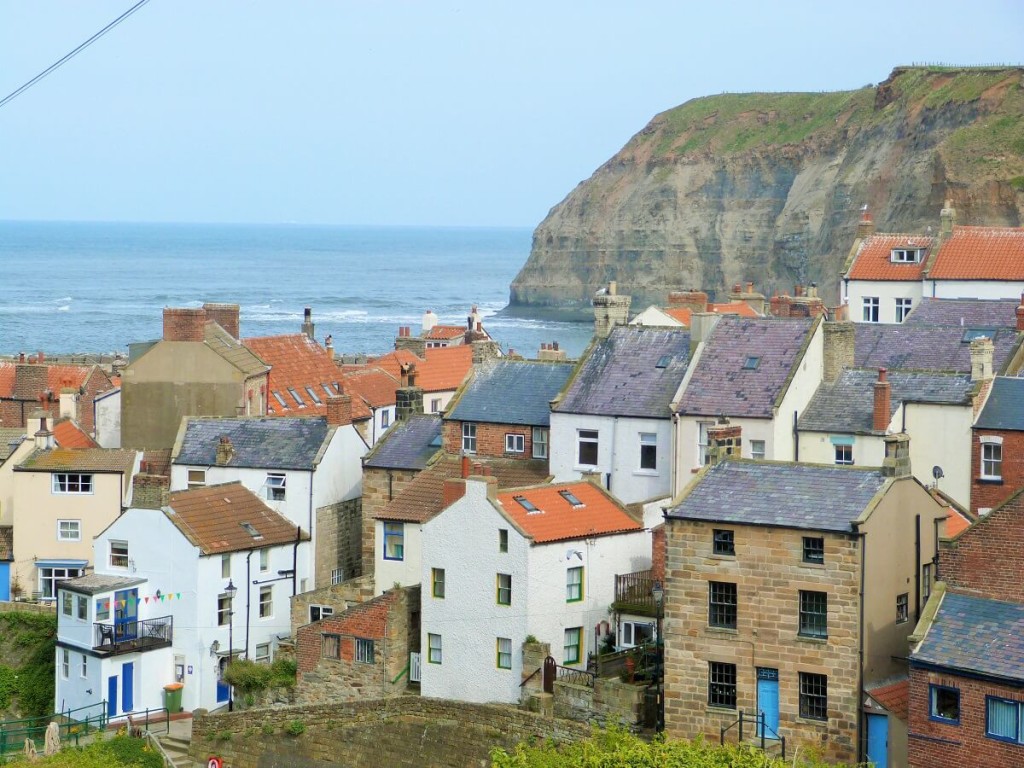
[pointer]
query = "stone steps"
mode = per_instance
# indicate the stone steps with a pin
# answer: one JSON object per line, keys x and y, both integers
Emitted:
{"x": 177, "y": 750}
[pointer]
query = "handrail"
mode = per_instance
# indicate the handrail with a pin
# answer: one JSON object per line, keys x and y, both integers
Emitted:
{"x": 532, "y": 675}
{"x": 762, "y": 727}
{"x": 154, "y": 742}
{"x": 574, "y": 676}
{"x": 405, "y": 671}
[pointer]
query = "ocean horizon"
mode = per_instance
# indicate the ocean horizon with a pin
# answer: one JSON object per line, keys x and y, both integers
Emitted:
{"x": 95, "y": 287}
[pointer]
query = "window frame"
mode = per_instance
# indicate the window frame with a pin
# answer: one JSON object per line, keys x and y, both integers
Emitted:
{"x": 907, "y": 255}
{"x": 48, "y": 578}
{"x": 648, "y": 452}
{"x": 503, "y": 540}
{"x": 903, "y": 608}
{"x": 74, "y": 526}
{"x": 195, "y": 478}
{"x": 843, "y": 453}
{"x": 102, "y": 607}
{"x": 261, "y": 655}
{"x": 65, "y": 663}
{"x": 264, "y": 565}
{"x": 503, "y": 655}
{"x": 811, "y": 552}
{"x": 539, "y": 449}
{"x": 572, "y": 645}
{"x": 703, "y": 442}
{"x": 322, "y": 611}
{"x": 590, "y": 439}
{"x": 81, "y": 607}
{"x": 437, "y": 583}
{"x": 74, "y": 483}
{"x": 574, "y": 592}
{"x": 225, "y": 566}
{"x": 435, "y": 405}
{"x": 722, "y": 683}
{"x": 812, "y": 614}
{"x": 813, "y": 703}
{"x": 515, "y": 442}
{"x": 934, "y": 690}
{"x": 394, "y": 537}
{"x": 120, "y": 559}
{"x": 723, "y": 542}
{"x": 723, "y": 604}
{"x": 330, "y": 645}
{"x": 224, "y": 610}
{"x": 503, "y": 589}
{"x": 469, "y": 437}
{"x": 266, "y": 602}
{"x": 903, "y": 308}
{"x": 991, "y": 458}
{"x": 628, "y": 633}
{"x": 435, "y": 650}
{"x": 758, "y": 449}
{"x": 84, "y": 670}
{"x": 277, "y": 486}
{"x": 1018, "y": 737}
{"x": 365, "y": 651}
{"x": 67, "y": 604}
{"x": 385, "y": 418}
{"x": 870, "y": 309}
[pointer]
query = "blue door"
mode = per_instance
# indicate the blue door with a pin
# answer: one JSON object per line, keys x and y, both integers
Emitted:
{"x": 128, "y": 686}
{"x": 222, "y": 687}
{"x": 126, "y": 614}
{"x": 112, "y": 696}
{"x": 768, "y": 701}
{"x": 878, "y": 740}
{"x": 5, "y": 581}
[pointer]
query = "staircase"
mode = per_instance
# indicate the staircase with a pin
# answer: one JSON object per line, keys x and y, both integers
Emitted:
{"x": 175, "y": 749}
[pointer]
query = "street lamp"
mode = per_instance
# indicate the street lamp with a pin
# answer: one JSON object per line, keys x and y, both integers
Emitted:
{"x": 230, "y": 591}
{"x": 658, "y": 592}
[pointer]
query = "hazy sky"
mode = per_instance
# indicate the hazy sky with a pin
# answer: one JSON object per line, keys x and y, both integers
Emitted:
{"x": 440, "y": 113}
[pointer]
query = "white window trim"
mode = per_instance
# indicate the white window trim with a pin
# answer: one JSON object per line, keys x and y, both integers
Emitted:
{"x": 512, "y": 439}
{"x": 871, "y": 303}
{"x": 469, "y": 437}
{"x": 126, "y": 555}
{"x": 763, "y": 452}
{"x": 277, "y": 482}
{"x": 652, "y": 441}
{"x": 55, "y": 483}
{"x": 992, "y": 441}
{"x": 269, "y": 592}
{"x": 78, "y": 530}
{"x": 596, "y": 441}
{"x": 539, "y": 449}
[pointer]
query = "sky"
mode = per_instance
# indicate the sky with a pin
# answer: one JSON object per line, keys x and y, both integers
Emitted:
{"x": 431, "y": 113}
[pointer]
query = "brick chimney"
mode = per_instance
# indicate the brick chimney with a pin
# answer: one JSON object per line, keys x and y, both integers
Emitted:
{"x": 897, "y": 455}
{"x": 29, "y": 381}
{"x": 982, "y": 352}
{"x": 838, "y": 348}
{"x": 149, "y": 491}
{"x": 724, "y": 440}
{"x": 224, "y": 315}
{"x": 1020, "y": 315}
{"x": 225, "y": 451}
{"x": 339, "y": 410}
{"x": 695, "y": 301}
{"x": 549, "y": 352}
{"x": 866, "y": 225}
{"x": 454, "y": 489}
{"x": 408, "y": 397}
{"x": 184, "y": 324}
{"x": 610, "y": 310}
{"x": 329, "y": 346}
{"x": 882, "y": 415}
{"x": 307, "y": 323}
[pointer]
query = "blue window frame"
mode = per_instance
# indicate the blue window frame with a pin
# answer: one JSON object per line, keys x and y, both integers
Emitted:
{"x": 944, "y": 704}
{"x": 394, "y": 541}
{"x": 1003, "y": 719}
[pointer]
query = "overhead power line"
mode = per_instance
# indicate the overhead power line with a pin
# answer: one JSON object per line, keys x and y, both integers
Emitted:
{"x": 63, "y": 60}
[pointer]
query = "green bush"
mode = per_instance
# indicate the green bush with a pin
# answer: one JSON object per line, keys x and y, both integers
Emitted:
{"x": 117, "y": 752}
{"x": 251, "y": 677}
{"x": 295, "y": 728}
{"x": 29, "y": 687}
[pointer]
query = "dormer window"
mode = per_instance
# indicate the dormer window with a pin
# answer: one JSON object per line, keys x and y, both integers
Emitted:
{"x": 908, "y": 255}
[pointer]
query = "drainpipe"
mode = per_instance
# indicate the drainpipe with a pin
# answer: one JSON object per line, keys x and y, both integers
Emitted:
{"x": 860, "y": 646}
{"x": 796, "y": 439}
{"x": 917, "y": 568}
{"x": 295, "y": 559}
{"x": 248, "y": 599}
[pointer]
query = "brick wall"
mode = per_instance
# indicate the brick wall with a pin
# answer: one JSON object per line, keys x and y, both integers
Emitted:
{"x": 336, "y": 596}
{"x": 96, "y": 384}
{"x": 150, "y": 491}
{"x": 988, "y": 559}
{"x": 184, "y": 324}
{"x": 769, "y": 573}
{"x": 992, "y": 493}
{"x": 339, "y": 540}
{"x": 658, "y": 553}
{"x": 379, "y": 487}
{"x": 490, "y": 439}
{"x": 934, "y": 744}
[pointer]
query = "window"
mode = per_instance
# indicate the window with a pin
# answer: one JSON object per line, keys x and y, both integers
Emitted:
{"x": 435, "y": 405}
{"x": 1003, "y": 719}
{"x": 71, "y": 483}
{"x": 702, "y": 441}
{"x": 196, "y": 478}
{"x": 903, "y": 307}
{"x": 722, "y": 604}
{"x": 905, "y": 255}
{"x": 437, "y": 582}
{"x": 69, "y": 530}
{"x": 991, "y": 458}
{"x": 572, "y": 498}
{"x": 648, "y": 450}
{"x": 504, "y": 647}
{"x": 48, "y": 578}
{"x": 468, "y": 437}
{"x": 276, "y": 486}
{"x": 515, "y": 443}
{"x": 280, "y": 400}
{"x": 504, "y": 588}
{"x": 264, "y": 560}
{"x": 82, "y": 607}
{"x": 503, "y": 539}
{"x": 337, "y": 575}
{"x": 757, "y": 449}
{"x": 586, "y": 447}
{"x": 978, "y": 333}
{"x": 844, "y": 454}
{"x": 944, "y": 703}
{"x": 102, "y": 608}
{"x": 65, "y": 663}
{"x": 85, "y": 666}
{"x": 223, "y": 610}
{"x": 318, "y": 612}
{"x": 266, "y": 602}
{"x": 751, "y": 363}
{"x": 870, "y": 309}
{"x": 65, "y": 603}
{"x": 313, "y": 395}
{"x": 574, "y": 584}
{"x": 364, "y": 651}
{"x": 385, "y": 418}
{"x": 814, "y": 549}
{"x": 262, "y": 652}
{"x": 540, "y": 443}
{"x": 902, "y": 608}
{"x": 331, "y": 647}
{"x": 813, "y": 614}
{"x": 724, "y": 542}
{"x": 633, "y": 633}
{"x": 721, "y": 685}
{"x": 926, "y": 581}
{"x": 225, "y": 566}
{"x": 394, "y": 541}
{"x": 663, "y": 361}
{"x": 571, "y": 650}
{"x": 813, "y": 696}
{"x": 296, "y": 397}
{"x": 433, "y": 649}
{"x": 118, "y": 554}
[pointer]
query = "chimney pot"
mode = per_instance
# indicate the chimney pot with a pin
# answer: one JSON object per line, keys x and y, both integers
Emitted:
{"x": 881, "y": 414}
{"x": 465, "y": 466}
{"x": 750, "y": 287}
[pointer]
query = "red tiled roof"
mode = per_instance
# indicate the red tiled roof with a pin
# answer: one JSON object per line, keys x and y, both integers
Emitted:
{"x": 68, "y": 434}
{"x": 558, "y": 520}
{"x": 955, "y": 523}
{"x": 444, "y": 369}
{"x": 374, "y": 385}
{"x": 895, "y": 697}
{"x": 874, "y": 258}
{"x": 741, "y": 308}
{"x": 445, "y": 332}
{"x": 981, "y": 253}
{"x": 392, "y": 362}
{"x": 297, "y": 362}
{"x": 57, "y": 377}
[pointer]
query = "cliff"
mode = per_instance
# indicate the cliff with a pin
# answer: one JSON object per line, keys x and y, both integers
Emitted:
{"x": 767, "y": 187}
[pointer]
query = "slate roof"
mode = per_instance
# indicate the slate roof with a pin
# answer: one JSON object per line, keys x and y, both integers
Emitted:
{"x": 95, "y": 583}
{"x": 216, "y": 519}
{"x": 556, "y": 519}
{"x": 232, "y": 350}
{"x": 980, "y": 253}
{"x": 966, "y": 313}
{"x": 6, "y": 543}
{"x": 423, "y": 498}
{"x": 259, "y": 443}
{"x": 873, "y": 260}
{"x": 620, "y": 376}
{"x": 720, "y": 385}
{"x": 10, "y": 439}
{"x": 510, "y": 392}
{"x": 847, "y": 404}
{"x": 408, "y": 444}
{"x": 79, "y": 460}
{"x": 780, "y": 494}
{"x": 1004, "y": 408}
{"x": 977, "y": 635}
{"x": 923, "y": 347}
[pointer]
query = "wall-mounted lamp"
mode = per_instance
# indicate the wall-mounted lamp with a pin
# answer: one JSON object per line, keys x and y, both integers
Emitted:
{"x": 89, "y": 691}
{"x": 214, "y": 647}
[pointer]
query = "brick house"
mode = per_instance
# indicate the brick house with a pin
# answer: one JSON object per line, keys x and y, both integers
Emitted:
{"x": 61, "y": 390}
{"x": 997, "y": 447}
{"x": 967, "y": 652}
{"x": 779, "y": 603}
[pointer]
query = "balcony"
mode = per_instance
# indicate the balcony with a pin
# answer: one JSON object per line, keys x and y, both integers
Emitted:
{"x": 633, "y": 593}
{"x": 132, "y": 636}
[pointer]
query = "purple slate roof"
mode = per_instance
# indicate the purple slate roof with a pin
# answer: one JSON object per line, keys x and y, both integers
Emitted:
{"x": 408, "y": 444}
{"x": 912, "y": 347}
{"x": 969, "y": 313}
{"x": 721, "y": 385}
{"x": 636, "y": 372}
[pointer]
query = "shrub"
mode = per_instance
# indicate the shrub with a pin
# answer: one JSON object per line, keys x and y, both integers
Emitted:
{"x": 295, "y": 727}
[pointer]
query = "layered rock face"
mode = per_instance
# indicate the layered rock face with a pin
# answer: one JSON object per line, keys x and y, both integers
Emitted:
{"x": 768, "y": 187}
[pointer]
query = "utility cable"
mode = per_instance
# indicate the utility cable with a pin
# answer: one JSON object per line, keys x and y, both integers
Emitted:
{"x": 60, "y": 62}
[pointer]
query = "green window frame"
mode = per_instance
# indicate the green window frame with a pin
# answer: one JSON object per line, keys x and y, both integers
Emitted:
{"x": 574, "y": 584}
{"x": 572, "y": 650}
{"x": 503, "y": 586}
{"x": 437, "y": 583}
{"x": 504, "y": 652}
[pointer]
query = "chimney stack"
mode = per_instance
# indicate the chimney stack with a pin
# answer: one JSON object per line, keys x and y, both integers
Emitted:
{"x": 695, "y": 301}
{"x": 866, "y": 225}
{"x": 982, "y": 354}
{"x": 329, "y": 346}
{"x": 408, "y": 397}
{"x": 225, "y": 451}
{"x": 610, "y": 310}
{"x": 307, "y": 323}
{"x": 454, "y": 489}
{"x": 724, "y": 440}
{"x": 339, "y": 410}
{"x": 947, "y": 218}
{"x": 184, "y": 324}
{"x": 882, "y": 414}
{"x": 897, "y": 455}
{"x": 30, "y": 381}
{"x": 429, "y": 320}
{"x": 224, "y": 315}
{"x": 839, "y": 345}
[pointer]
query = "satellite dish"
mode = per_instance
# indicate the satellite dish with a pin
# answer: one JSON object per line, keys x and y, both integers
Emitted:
{"x": 937, "y": 472}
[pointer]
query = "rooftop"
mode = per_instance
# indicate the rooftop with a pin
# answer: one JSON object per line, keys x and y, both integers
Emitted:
{"x": 57, "y": 377}
{"x": 966, "y": 313}
{"x": 445, "y": 332}
{"x": 895, "y": 697}
{"x": 1004, "y": 408}
{"x": 980, "y": 253}
{"x": 408, "y": 444}
{"x": 740, "y": 308}
{"x": 375, "y": 386}
{"x": 926, "y": 347}
{"x": 232, "y": 350}
{"x": 779, "y": 494}
{"x": 258, "y": 442}
{"x": 95, "y": 583}
{"x": 510, "y": 392}
{"x": 445, "y": 368}
{"x": 550, "y": 513}
{"x": 79, "y": 460}
{"x": 10, "y": 439}
{"x": 874, "y": 257}
{"x": 68, "y": 434}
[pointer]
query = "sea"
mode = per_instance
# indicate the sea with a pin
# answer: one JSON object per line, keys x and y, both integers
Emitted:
{"x": 84, "y": 287}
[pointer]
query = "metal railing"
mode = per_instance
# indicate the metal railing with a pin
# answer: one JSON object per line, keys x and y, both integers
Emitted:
{"x": 574, "y": 676}
{"x": 73, "y": 724}
{"x": 133, "y": 635}
{"x": 760, "y": 734}
{"x": 633, "y": 591}
{"x": 642, "y": 662}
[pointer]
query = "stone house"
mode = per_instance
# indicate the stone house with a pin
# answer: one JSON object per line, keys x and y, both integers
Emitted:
{"x": 498, "y": 566}
{"x": 63, "y": 391}
{"x": 198, "y": 368}
{"x": 436, "y": 335}
{"x": 614, "y": 415}
{"x": 997, "y": 446}
{"x": 790, "y": 590}
{"x": 967, "y": 654}
{"x": 503, "y": 410}
{"x": 307, "y": 469}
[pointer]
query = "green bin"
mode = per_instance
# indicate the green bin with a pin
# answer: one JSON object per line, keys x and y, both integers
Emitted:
{"x": 172, "y": 697}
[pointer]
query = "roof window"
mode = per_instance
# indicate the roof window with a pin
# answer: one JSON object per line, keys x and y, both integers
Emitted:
{"x": 663, "y": 361}
{"x": 526, "y": 504}
{"x": 313, "y": 396}
{"x": 327, "y": 389}
{"x": 907, "y": 255}
{"x": 251, "y": 530}
{"x": 280, "y": 400}
{"x": 751, "y": 363}
{"x": 978, "y": 333}
{"x": 298, "y": 399}
{"x": 571, "y": 498}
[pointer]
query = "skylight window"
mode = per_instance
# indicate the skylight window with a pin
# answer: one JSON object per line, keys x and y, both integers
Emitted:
{"x": 436, "y": 442}
{"x": 751, "y": 363}
{"x": 313, "y": 396}
{"x": 327, "y": 389}
{"x": 526, "y": 504}
{"x": 977, "y": 333}
{"x": 298, "y": 399}
{"x": 251, "y": 530}
{"x": 663, "y": 361}
{"x": 571, "y": 498}
{"x": 280, "y": 400}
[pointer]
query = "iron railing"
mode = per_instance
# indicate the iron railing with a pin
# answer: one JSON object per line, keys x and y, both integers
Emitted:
{"x": 130, "y": 636}
{"x": 633, "y": 593}
{"x": 762, "y": 729}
